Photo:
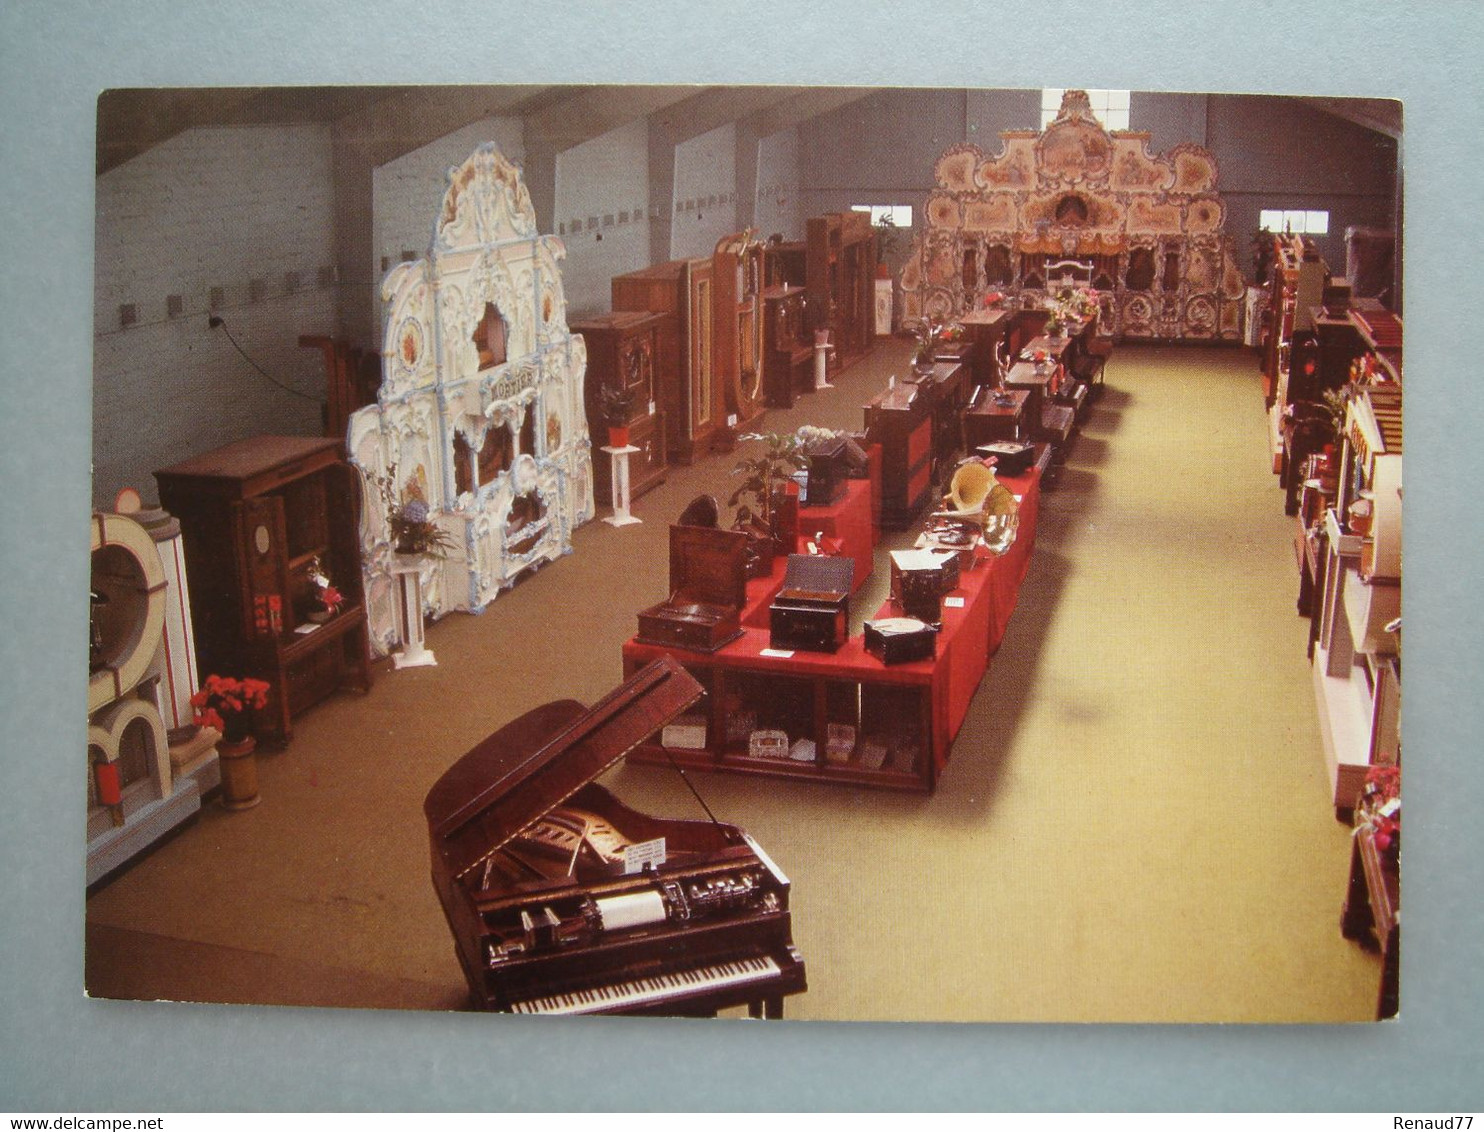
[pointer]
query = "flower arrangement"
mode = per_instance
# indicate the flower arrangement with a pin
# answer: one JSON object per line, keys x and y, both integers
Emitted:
{"x": 227, "y": 703}
{"x": 324, "y": 599}
{"x": 1380, "y": 809}
{"x": 930, "y": 335}
{"x": 1076, "y": 304}
{"x": 410, "y": 520}
{"x": 993, "y": 298}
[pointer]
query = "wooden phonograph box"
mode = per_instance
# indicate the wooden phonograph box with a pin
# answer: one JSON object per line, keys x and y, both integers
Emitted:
{"x": 920, "y": 578}
{"x": 708, "y": 587}
{"x": 899, "y": 640}
{"x": 562, "y": 900}
{"x": 812, "y": 610}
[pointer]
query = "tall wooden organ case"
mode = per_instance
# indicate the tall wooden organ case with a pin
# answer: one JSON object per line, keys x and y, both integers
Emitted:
{"x": 480, "y": 413}
{"x": 623, "y": 352}
{"x": 693, "y": 399}
{"x": 562, "y": 900}
{"x": 737, "y": 268}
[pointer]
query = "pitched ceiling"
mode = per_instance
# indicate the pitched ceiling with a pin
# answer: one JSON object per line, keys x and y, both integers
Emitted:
{"x": 390, "y": 121}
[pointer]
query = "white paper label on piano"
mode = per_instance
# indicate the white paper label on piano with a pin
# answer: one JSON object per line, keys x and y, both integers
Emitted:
{"x": 636, "y": 856}
{"x": 631, "y": 910}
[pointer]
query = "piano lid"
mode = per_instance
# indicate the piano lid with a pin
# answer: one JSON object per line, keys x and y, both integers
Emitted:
{"x": 535, "y": 763}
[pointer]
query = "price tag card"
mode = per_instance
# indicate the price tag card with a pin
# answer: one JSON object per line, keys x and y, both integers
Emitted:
{"x": 635, "y": 857}
{"x": 782, "y": 654}
{"x": 953, "y": 602}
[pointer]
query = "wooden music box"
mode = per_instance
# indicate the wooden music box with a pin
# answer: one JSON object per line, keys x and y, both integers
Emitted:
{"x": 812, "y": 610}
{"x": 920, "y": 578}
{"x": 1011, "y": 457}
{"x": 708, "y": 587}
{"x": 898, "y": 640}
{"x": 828, "y": 472}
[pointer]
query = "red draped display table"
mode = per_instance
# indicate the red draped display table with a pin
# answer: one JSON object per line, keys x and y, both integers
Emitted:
{"x": 846, "y": 717}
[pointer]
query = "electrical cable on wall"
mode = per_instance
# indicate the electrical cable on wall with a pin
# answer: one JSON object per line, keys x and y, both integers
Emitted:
{"x": 216, "y": 322}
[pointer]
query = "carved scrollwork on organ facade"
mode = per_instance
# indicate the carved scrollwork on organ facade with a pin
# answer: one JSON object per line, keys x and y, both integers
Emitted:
{"x": 1151, "y": 225}
{"x": 479, "y": 414}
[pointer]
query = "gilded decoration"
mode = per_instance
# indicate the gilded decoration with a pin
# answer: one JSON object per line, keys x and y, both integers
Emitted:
{"x": 476, "y": 346}
{"x": 1152, "y": 225}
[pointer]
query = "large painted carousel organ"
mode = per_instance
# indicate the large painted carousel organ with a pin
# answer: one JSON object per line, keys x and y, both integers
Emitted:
{"x": 1147, "y": 231}
{"x": 479, "y": 418}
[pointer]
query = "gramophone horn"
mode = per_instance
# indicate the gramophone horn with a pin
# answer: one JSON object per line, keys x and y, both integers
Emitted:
{"x": 970, "y": 486}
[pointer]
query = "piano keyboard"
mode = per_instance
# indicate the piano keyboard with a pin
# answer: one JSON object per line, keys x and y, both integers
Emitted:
{"x": 641, "y": 992}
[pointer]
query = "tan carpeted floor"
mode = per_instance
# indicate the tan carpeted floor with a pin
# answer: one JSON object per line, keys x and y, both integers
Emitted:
{"x": 1134, "y": 824}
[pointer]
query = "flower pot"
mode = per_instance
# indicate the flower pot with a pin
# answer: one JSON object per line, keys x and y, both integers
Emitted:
{"x": 618, "y": 436}
{"x": 239, "y": 767}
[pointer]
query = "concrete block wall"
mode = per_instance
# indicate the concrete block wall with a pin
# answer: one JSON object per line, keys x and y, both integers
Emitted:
{"x": 236, "y": 221}
{"x": 602, "y": 214}
{"x": 406, "y": 194}
{"x": 778, "y": 208}
{"x": 705, "y": 207}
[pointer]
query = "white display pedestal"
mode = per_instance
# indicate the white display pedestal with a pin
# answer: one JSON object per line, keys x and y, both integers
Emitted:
{"x": 620, "y": 477}
{"x": 822, "y": 350}
{"x": 413, "y": 654}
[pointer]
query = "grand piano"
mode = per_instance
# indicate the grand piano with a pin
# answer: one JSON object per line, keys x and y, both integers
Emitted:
{"x": 562, "y": 900}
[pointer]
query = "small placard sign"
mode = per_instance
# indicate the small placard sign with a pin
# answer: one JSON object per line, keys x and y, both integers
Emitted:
{"x": 731, "y": 420}
{"x": 953, "y": 602}
{"x": 636, "y": 856}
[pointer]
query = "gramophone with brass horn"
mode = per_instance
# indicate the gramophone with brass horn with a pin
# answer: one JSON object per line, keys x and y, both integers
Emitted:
{"x": 977, "y": 507}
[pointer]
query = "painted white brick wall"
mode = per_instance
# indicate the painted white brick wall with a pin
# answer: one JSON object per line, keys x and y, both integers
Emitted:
{"x": 406, "y": 193}
{"x": 217, "y": 207}
{"x": 778, "y": 209}
{"x": 705, "y": 191}
{"x": 602, "y": 190}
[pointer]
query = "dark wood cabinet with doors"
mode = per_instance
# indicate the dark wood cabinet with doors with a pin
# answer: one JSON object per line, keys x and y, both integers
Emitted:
{"x": 841, "y": 270}
{"x": 256, "y": 517}
{"x": 690, "y": 391}
{"x": 623, "y": 352}
{"x": 788, "y": 349}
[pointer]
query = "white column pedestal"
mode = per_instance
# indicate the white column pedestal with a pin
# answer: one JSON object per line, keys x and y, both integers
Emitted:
{"x": 620, "y": 478}
{"x": 413, "y": 654}
{"x": 821, "y": 365}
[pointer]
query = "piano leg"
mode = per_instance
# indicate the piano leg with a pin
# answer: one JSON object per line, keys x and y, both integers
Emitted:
{"x": 769, "y": 1008}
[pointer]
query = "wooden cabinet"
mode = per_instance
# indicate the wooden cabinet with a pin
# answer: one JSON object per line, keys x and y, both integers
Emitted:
{"x": 841, "y": 274}
{"x": 900, "y": 419}
{"x": 788, "y": 351}
{"x": 623, "y": 352}
{"x": 255, "y": 516}
{"x": 690, "y": 392}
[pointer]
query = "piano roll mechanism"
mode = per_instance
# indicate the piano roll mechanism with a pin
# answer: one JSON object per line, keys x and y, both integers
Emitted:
{"x": 562, "y": 900}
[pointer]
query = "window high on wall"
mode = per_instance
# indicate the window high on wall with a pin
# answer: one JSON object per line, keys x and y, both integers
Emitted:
{"x": 900, "y": 215}
{"x": 1110, "y": 106}
{"x": 1298, "y": 221}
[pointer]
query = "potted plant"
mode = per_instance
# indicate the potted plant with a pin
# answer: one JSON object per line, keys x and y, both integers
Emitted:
{"x": 886, "y": 244}
{"x": 618, "y": 410}
{"x": 410, "y": 520}
{"x": 228, "y": 703}
{"x": 765, "y": 475}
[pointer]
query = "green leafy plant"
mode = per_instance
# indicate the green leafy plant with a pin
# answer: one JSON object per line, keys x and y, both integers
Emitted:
{"x": 618, "y": 405}
{"x": 762, "y": 473}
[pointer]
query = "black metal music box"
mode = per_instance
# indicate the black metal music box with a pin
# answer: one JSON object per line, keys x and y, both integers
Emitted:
{"x": 920, "y": 578}
{"x": 1011, "y": 458}
{"x": 829, "y": 469}
{"x": 812, "y": 610}
{"x": 898, "y": 640}
{"x": 708, "y": 587}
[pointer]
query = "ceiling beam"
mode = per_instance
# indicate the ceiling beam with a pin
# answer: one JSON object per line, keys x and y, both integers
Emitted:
{"x": 811, "y": 102}
{"x": 1383, "y": 115}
